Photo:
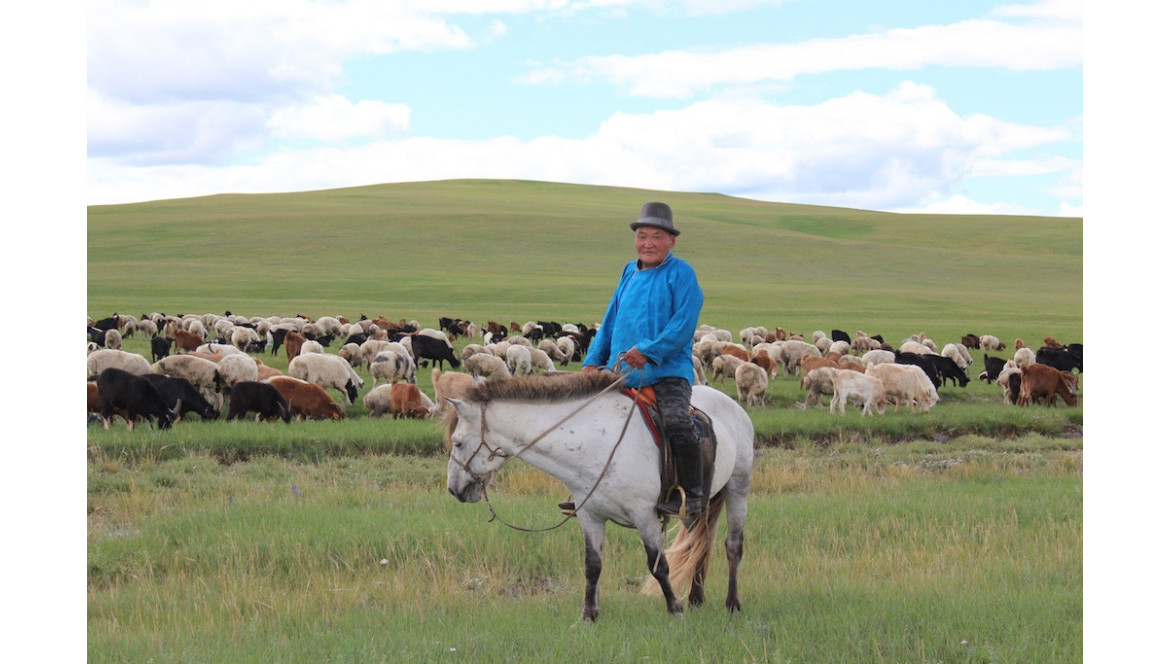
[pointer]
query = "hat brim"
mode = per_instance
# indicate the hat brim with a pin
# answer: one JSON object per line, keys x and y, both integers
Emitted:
{"x": 651, "y": 222}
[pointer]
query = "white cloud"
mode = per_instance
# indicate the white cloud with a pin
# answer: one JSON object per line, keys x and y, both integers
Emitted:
{"x": 335, "y": 118}
{"x": 975, "y": 43}
{"x": 903, "y": 150}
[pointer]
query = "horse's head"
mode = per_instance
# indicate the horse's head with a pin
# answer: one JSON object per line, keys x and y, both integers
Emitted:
{"x": 473, "y": 459}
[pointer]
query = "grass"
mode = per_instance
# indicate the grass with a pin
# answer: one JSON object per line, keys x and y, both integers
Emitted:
{"x": 855, "y": 553}
{"x": 950, "y": 536}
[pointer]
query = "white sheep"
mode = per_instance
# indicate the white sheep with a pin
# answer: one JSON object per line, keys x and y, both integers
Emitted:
{"x": 1024, "y": 356}
{"x": 352, "y": 353}
{"x": 486, "y": 365}
{"x": 913, "y": 346}
{"x": 472, "y": 349}
{"x": 551, "y": 348}
{"x": 849, "y": 385}
{"x": 449, "y": 385}
{"x": 237, "y": 368}
{"x": 723, "y": 367}
{"x": 243, "y": 336}
{"x": 957, "y": 354}
{"x": 218, "y": 349}
{"x": 568, "y": 347}
{"x": 990, "y": 342}
{"x": 200, "y": 372}
{"x": 328, "y": 371}
{"x": 370, "y": 348}
{"x": 751, "y": 383}
{"x": 519, "y": 360}
{"x": 791, "y": 351}
{"x": 540, "y": 361}
{"x": 106, "y": 358}
{"x": 905, "y": 383}
{"x": 312, "y": 346}
{"x": 113, "y": 339}
{"x": 878, "y": 356}
{"x": 841, "y": 347}
{"x": 818, "y": 382}
{"x": 392, "y": 367}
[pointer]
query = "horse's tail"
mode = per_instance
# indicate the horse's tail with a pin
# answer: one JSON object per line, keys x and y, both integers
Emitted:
{"x": 690, "y": 552}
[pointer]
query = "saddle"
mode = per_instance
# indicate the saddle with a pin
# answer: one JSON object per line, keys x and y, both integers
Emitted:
{"x": 647, "y": 403}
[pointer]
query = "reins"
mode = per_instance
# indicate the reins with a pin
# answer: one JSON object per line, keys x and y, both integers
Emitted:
{"x": 496, "y": 452}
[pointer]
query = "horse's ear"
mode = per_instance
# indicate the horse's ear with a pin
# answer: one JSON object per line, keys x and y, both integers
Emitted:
{"x": 463, "y": 408}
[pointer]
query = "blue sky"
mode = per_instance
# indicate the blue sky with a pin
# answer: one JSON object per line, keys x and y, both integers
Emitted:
{"x": 965, "y": 107}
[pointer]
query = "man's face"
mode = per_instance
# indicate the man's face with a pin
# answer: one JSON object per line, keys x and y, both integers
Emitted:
{"x": 652, "y": 245}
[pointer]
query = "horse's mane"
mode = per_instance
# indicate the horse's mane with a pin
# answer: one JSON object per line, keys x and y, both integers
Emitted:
{"x": 548, "y": 387}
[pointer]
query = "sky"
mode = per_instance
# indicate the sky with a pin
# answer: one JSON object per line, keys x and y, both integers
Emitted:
{"x": 908, "y": 106}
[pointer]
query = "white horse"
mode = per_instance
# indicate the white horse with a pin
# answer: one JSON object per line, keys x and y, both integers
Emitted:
{"x": 578, "y": 429}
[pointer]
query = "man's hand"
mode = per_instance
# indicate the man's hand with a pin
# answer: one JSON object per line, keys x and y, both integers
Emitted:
{"x": 592, "y": 368}
{"x": 635, "y": 358}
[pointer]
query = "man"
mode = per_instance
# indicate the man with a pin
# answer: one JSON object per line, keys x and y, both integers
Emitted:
{"x": 648, "y": 331}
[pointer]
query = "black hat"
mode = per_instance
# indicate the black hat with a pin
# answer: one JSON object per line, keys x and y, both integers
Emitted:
{"x": 656, "y": 215}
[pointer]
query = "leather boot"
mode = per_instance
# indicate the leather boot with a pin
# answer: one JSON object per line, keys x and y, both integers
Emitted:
{"x": 689, "y": 461}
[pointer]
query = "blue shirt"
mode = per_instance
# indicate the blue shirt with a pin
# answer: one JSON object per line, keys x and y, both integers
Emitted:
{"x": 655, "y": 310}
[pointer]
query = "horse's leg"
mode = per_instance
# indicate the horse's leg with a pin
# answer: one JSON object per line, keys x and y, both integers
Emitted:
{"x": 594, "y": 530}
{"x": 736, "y": 493}
{"x": 651, "y": 534}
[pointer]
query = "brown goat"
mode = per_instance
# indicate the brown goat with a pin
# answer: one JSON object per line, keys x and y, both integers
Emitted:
{"x": 307, "y": 400}
{"x": 1040, "y": 382}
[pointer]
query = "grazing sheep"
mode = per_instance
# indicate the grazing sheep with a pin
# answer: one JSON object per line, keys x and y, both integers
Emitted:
{"x": 958, "y": 354}
{"x": 858, "y": 387}
{"x": 905, "y": 383}
{"x": 554, "y": 351}
{"x": 328, "y": 371}
{"x": 913, "y": 346}
{"x": 723, "y": 367}
{"x": 307, "y": 401}
{"x": 371, "y": 348}
{"x": 113, "y": 339}
{"x": 312, "y": 346}
{"x": 878, "y": 356}
{"x": 818, "y": 382}
{"x": 736, "y": 350}
{"x": 392, "y": 367}
{"x": 449, "y": 385}
{"x": 487, "y": 366}
{"x": 540, "y": 361}
{"x": 111, "y": 358}
{"x": 1024, "y": 356}
{"x": 242, "y": 337}
{"x": 201, "y": 372}
{"x": 352, "y": 353}
{"x": 751, "y": 383}
{"x": 792, "y": 351}
{"x": 990, "y": 342}
{"x": 234, "y": 369}
{"x": 519, "y": 360}
{"x": 218, "y": 349}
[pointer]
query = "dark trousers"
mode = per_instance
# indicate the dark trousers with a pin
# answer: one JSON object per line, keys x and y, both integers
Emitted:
{"x": 674, "y": 402}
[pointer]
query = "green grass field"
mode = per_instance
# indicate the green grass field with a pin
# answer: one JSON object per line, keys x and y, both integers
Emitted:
{"x": 954, "y": 536}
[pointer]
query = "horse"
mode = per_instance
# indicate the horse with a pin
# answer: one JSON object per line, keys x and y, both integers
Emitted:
{"x": 577, "y": 428}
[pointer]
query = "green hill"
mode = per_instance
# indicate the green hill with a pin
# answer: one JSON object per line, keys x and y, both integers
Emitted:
{"x": 520, "y": 250}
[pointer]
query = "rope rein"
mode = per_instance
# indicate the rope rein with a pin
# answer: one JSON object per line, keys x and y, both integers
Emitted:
{"x": 493, "y": 453}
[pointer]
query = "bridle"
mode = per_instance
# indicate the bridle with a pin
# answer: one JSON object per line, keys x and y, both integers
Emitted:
{"x": 494, "y": 453}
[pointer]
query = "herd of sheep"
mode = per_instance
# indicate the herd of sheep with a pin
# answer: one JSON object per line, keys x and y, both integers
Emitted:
{"x": 220, "y": 356}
